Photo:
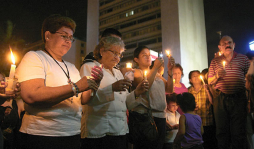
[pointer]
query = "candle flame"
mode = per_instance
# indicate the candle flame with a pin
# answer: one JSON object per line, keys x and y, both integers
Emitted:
{"x": 145, "y": 74}
{"x": 12, "y": 56}
{"x": 167, "y": 52}
{"x": 128, "y": 65}
{"x": 174, "y": 81}
{"x": 224, "y": 63}
{"x": 219, "y": 54}
{"x": 201, "y": 77}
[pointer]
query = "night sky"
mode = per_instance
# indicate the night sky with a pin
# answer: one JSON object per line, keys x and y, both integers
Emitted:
{"x": 232, "y": 17}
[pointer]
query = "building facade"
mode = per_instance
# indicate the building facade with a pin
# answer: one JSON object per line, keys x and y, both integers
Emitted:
{"x": 175, "y": 25}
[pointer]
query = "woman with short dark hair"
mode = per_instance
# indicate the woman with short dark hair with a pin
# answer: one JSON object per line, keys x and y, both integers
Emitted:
{"x": 52, "y": 90}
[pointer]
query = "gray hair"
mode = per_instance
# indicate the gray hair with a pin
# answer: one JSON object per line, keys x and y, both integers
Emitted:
{"x": 107, "y": 43}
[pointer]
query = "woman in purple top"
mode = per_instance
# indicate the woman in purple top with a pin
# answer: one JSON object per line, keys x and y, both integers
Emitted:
{"x": 179, "y": 87}
{"x": 190, "y": 131}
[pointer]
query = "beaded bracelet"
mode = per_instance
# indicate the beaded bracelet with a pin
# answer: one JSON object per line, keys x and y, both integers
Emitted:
{"x": 73, "y": 88}
{"x": 77, "y": 89}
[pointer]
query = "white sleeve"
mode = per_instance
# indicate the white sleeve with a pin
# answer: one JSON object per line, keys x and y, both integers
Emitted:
{"x": 31, "y": 67}
{"x": 86, "y": 69}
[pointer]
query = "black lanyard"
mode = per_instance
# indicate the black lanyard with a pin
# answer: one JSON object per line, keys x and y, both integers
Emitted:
{"x": 67, "y": 74}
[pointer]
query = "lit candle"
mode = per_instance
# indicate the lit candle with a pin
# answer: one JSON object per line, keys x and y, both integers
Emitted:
{"x": 219, "y": 54}
{"x": 224, "y": 64}
{"x": 145, "y": 75}
{"x": 12, "y": 73}
{"x": 128, "y": 65}
{"x": 161, "y": 55}
{"x": 174, "y": 81}
{"x": 201, "y": 77}
{"x": 90, "y": 77}
{"x": 168, "y": 53}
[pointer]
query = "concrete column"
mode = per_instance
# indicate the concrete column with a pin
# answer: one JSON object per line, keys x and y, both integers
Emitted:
{"x": 183, "y": 32}
{"x": 92, "y": 36}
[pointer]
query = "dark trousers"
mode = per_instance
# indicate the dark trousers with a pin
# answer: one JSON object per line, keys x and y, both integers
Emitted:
{"x": 168, "y": 146}
{"x": 158, "y": 144}
{"x": 230, "y": 112}
{"x": 196, "y": 147}
{"x": 28, "y": 141}
{"x": 209, "y": 137}
{"x": 1, "y": 140}
{"x": 107, "y": 142}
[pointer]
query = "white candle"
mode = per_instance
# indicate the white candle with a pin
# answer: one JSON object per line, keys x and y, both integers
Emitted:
{"x": 13, "y": 66}
{"x": 145, "y": 75}
{"x": 224, "y": 64}
{"x": 12, "y": 73}
{"x": 174, "y": 81}
{"x": 89, "y": 77}
{"x": 128, "y": 65}
{"x": 161, "y": 55}
{"x": 202, "y": 79}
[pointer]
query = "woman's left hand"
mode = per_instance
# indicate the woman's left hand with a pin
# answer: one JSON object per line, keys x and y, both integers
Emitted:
{"x": 142, "y": 87}
{"x": 121, "y": 85}
{"x": 171, "y": 63}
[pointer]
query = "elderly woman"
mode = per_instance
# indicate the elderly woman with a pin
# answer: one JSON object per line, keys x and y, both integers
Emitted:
{"x": 179, "y": 87}
{"x": 104, "y": 120}
{"x": 52, "y": 99}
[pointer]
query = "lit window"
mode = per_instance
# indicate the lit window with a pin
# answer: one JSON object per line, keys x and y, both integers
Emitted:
{"x": 132, "y": 12}
{"x": 126, "y": 14}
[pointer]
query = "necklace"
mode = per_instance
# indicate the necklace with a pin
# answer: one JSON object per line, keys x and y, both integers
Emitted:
{"x": 67, "y": 74}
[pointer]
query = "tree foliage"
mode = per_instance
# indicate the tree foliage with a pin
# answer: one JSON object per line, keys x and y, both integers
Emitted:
{"x": 7, "y": 40}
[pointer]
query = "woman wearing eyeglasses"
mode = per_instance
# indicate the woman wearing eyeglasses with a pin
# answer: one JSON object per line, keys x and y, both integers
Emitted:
{"x": 104, "y": 120}
{"x": 52, "y": 90}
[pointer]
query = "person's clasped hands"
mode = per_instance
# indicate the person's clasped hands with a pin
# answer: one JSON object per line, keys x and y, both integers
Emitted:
{"x": 9, "y": 94}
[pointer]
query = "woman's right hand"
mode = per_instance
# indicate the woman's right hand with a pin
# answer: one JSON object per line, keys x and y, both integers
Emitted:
{"x": 3, "y": 95}
{"x": 142, "y": 87}
{"x": 85, "y": 84}
{"x": 121, "y": 85}
{"x": 158, "y": 63}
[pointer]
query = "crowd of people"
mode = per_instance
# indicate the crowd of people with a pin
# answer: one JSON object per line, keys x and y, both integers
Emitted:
{"x": 65, "y": 108}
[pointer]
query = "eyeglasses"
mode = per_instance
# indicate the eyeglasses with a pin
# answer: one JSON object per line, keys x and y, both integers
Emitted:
{"x": 65, "y": 37}
{"x": 119, "y": 55}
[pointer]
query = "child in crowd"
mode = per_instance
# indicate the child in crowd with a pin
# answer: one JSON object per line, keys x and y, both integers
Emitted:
{"x": 172, "y": 120}
{"x": 203, "y": 100}
{"x": 190, "y": 131}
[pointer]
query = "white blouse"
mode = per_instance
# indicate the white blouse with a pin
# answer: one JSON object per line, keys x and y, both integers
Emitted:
{"x": 105, "y": 114}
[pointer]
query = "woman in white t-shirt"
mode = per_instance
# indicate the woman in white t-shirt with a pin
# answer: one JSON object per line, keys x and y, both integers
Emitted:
{"x": 52, "y": 99}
